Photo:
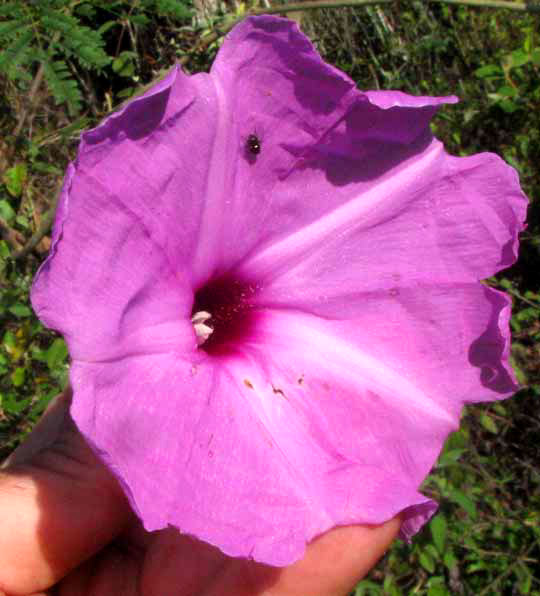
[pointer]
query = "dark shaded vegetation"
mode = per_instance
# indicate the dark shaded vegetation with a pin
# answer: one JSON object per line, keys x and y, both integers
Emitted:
{"x": 486, "y": 537}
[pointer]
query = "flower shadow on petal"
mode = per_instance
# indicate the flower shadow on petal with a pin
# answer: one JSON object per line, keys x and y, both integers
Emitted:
{"x": 369, "y": 143}
{"x": 490, "y": 351}
{"x": 317, "y": 86}
{"x": 379, "y": 158}
{"x": 138, "y": 119}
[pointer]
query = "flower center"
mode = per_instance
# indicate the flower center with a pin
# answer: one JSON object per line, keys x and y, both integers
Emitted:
{"x": 201, "y": 323}
{"x": 223, "y": 314}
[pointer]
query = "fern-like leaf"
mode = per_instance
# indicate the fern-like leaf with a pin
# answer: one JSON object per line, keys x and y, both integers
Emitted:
{"x": 62, "y": 85}
{"x": 76, "y": 40}
{"x": 173, "y": 8}
{"x": 11, "y": 9}
{"x": 16, "y": 51}
{"x": 46, "y": 31}
{"x": 10, "y": 28}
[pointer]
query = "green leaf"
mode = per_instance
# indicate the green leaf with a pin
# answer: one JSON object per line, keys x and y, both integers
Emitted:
{"x": 86, "y": 10}
{"x": 450, "y": 560}
{"x": 14, "y": 179}
{"x": 477, "y": 566}
{"x": 508, "y": 106}
{"x": 4, "y": 249}
{"x": 85, "y": 44}
{"x": 13, "y": 405}
{"x": 490, "y": 70}
{"x": 124, "y": 65}
{"x": 16, "y": 51}
{"x": 6, "y": 211}
{"x": 62, "y": 86}
{"x": 432, "y": 551}
{"x": 9, "y": 340}
{"x": 438, "y": 531}
{"x": 106, "y": 26}
{"x": 426, "y": 561}
{"x": 450, "y": 457}
{"x": 127, "y": 92}
{"x": 22, "y": 221}
{"x": 9, "y": 8}
{"x": 173, "y": 8}
{"x": 463, "y": 501}
{"x": 525, "y": 578}
{"x": 499, "y": 408}
{"x": 139, "y": 19}
{"x": 56, "y": 354}
{"x": 18, "y": 376}
{"x": 368, "y": 588}
{"x": 507, "y": 91}
{"x": 20, "y": 310}
{"x": 390, "y": 588}
{"x": 488, "y": 423}
{"x": 438, "y": 589}
{"x": 71, "y": 129}
{"x": 517, "y": 58}
{"x": 8, "y": 28}
{"x": 43, "y": 401}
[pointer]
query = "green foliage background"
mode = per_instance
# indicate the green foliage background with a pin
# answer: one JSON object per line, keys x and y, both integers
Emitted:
{"x": 64, "y": 65}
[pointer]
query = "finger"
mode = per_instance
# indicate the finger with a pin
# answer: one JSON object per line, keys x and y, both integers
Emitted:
{"x": 338, "y": 560}
{"x": 179, "y": 564}
{"x": 333, "y": 564}
{"x": 58, "y": 506}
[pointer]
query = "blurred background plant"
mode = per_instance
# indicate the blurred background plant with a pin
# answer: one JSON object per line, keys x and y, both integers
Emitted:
{"x": 65, "y": 65}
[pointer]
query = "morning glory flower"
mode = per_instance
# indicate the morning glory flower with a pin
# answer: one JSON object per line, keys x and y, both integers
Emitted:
{"x": 269, "y": 283}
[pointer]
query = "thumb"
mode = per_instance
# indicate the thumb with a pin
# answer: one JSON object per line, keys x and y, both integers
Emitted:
{"x": 58, "y": 505}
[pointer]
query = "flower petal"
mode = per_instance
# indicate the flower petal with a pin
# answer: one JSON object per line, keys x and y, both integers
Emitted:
{"x": 256, "y": 472}
{"x": 107, "y": 286}
{"x": 397, "y": 99}
{"x": 189, "y": 450}
{"x": 431, "y": 219}
{"x": 317, "y": 132}
{"x": 363, "y": 243}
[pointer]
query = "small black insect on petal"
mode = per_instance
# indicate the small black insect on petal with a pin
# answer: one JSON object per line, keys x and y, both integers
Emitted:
{"x": 253, "y": 144}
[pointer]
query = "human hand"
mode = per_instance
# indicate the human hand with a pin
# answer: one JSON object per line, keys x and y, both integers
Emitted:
{"x": 64, "y": 521}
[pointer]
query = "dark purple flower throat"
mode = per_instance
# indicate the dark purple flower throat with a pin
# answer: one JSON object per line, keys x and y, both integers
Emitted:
{"x": 229, "y": 302}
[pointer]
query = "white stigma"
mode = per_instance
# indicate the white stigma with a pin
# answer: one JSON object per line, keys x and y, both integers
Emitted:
{"x": 202, "y": 331}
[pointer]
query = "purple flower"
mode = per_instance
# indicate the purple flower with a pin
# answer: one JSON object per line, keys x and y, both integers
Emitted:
{"x": 269, "y": 285}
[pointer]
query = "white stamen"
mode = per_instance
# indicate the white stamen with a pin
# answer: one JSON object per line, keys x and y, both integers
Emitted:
{"x": 202, "y": 331}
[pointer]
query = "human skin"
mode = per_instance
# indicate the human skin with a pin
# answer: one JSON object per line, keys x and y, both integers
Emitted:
{"x": 65, "y": 522}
